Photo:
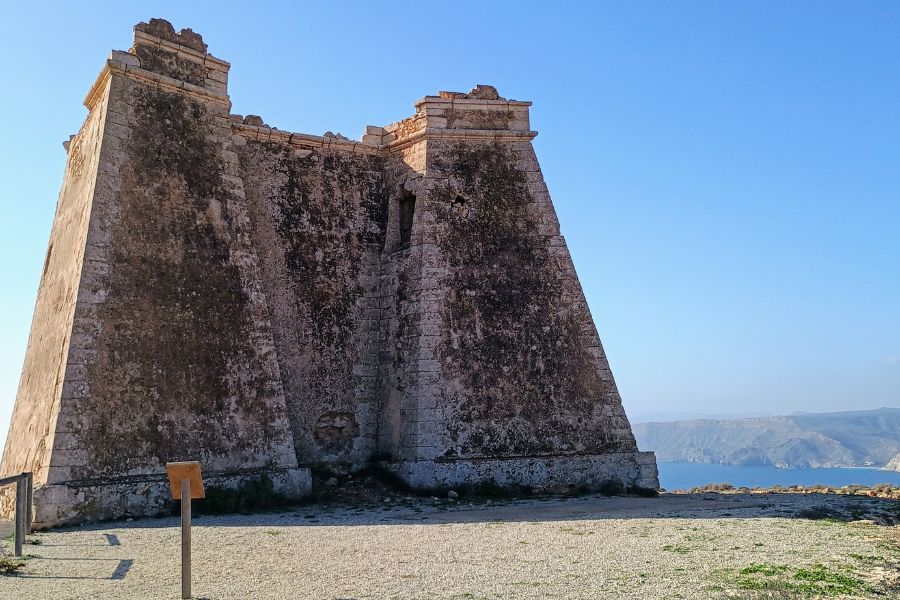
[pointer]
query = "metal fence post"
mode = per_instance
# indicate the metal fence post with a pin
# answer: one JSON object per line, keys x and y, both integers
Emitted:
{"x": 20, "y": 514}
{"x": 185, "y": 538}
{"x": 29, "y": 501}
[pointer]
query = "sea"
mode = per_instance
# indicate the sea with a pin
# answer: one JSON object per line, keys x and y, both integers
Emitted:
{"x": 682, "y": 476}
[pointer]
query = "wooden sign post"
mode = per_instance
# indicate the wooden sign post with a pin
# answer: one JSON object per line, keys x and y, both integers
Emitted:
{"x": 187, "y": 483}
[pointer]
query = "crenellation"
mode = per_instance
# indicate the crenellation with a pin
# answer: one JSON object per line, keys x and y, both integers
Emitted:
{"x": 161, "y": 32}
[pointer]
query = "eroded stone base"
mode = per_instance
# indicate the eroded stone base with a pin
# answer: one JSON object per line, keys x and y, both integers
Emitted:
{"x": 139, "y": 495}
{"x": 550, "y": 473}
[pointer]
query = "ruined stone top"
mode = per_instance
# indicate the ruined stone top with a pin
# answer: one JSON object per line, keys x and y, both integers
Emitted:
{"x": 179, "y": 61}
{"x": 167, "y": 59}
{"x": 478, "y": 114}
{"x": 164, "y": 30}
{"x": 479, "y": 92}
{"x": 481, "y": 113}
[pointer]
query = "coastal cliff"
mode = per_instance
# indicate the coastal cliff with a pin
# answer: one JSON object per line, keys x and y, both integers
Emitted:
{"x": 869, "y": 438}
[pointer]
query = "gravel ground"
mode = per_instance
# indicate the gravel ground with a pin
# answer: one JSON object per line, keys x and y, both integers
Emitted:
{"x": 685, "y": 546}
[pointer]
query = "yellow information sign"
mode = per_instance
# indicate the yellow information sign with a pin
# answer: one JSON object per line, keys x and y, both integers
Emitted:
{"x": 186, "y": 483}
{"x": 179, "y": 471}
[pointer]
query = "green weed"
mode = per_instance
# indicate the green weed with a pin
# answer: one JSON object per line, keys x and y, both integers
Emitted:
{"x": 869, "y": 558}
{"x": 817, "y": 580}
{"x": 762, "y": 569}
{"x": 9, "y": 565}
{"x": 574, "y": 531}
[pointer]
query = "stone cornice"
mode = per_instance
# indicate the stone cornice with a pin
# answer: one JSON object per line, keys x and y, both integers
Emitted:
{"x": 145, "y": 39}
{"x": 471, "y": 135}
{"x": 155, "y": 79}
{"x": 471, "y": 103}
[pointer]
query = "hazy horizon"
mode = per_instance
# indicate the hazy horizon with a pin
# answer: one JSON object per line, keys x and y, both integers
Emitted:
{"x": 656, "y": 417}
{"x": 725, "y": 174}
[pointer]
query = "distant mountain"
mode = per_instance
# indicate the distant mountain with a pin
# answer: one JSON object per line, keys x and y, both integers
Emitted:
{"x": 893, "y": 464}
{"x": 841, "y": 439}
{"x": 657, "y": 417}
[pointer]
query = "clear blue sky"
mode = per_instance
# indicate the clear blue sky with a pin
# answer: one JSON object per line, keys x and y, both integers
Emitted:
{"x": 727, "y": 174}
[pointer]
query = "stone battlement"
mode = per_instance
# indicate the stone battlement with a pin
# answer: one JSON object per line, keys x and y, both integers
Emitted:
{"x": 161, "y": 31}
{"x": 179, "y": 61}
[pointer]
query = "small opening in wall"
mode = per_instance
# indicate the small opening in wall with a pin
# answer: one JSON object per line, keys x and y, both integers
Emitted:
{"x": 459, "y": 201}
{"x": 407, "y": 213}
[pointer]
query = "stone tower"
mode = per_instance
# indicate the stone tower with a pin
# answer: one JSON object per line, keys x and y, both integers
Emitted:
{"x": 268, "y": 302}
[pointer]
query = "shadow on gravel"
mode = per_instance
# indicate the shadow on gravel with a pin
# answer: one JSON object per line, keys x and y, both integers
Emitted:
{"x": 121, "y": 570}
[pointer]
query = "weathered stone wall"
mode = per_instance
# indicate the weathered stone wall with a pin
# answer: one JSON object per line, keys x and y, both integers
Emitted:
{"x": 171, "y": 354}
{"x": 319, "y": 219}
{"x": 343, "y": 288}
{"x": 511, "y": 383}
{"x": 404, "y": 289}
{"x": 34, "y": 418}
{"x": 176, "y": 333}
{"x": 266, "y": 302}
{"x": 523, "y": 371}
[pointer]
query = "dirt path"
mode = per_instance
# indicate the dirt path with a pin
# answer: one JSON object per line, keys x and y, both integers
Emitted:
{"x": 686, "y": 546}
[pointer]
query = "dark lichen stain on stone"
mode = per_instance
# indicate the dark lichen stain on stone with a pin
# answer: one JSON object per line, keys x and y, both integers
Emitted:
{"x": 478, "y": 119}
{"x": 175, "y": 354}
{"x": 324, "y": 235}
{"x": 528, "y": 385}
{"x": 170, "y": 64}
{"x": 329, "y": 213}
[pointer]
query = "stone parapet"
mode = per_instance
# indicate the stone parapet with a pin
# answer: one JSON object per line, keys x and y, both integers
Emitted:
{"x": 170, "y": 61}
{"x": 377, "y": 140}
{"x": 162, "y": 30}
{"x": 181, "y": 55}
{"x": 478, "y": 115}
{"x": 466, "y": 113}
{"x": 302, "y": 140}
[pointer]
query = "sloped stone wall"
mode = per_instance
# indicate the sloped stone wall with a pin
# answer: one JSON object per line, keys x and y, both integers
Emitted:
{"x": 527, "y": 379}
{"x": 176, "y": 333}
{"x": 34, "y": 419}
{"x": 270, "y": 302}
